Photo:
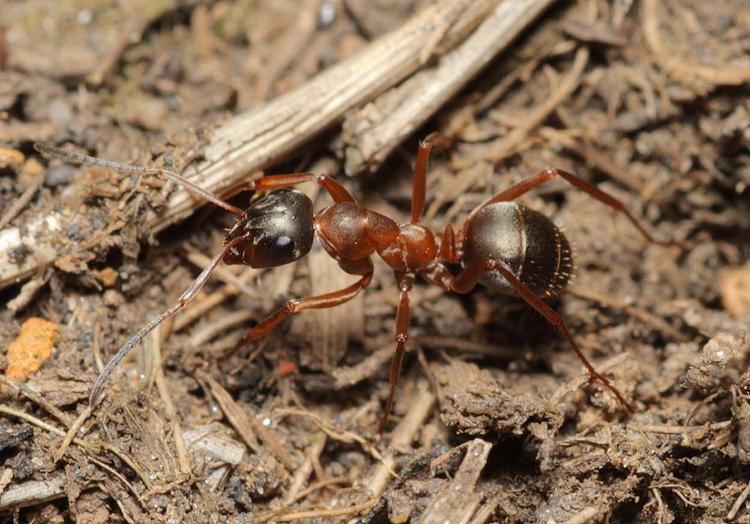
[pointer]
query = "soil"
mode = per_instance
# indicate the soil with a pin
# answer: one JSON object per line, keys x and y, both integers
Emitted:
{"x": 496, "y": 419}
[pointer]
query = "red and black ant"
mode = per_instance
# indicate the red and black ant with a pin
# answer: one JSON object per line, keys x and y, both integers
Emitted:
{"x": 502, "y": 245}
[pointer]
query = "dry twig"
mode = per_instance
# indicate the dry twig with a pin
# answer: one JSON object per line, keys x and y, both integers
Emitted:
{"x": 403, "y": 435}
{"x": 258, "y": 138}
{"x": 509, "y": 144}
{"x": 379, "y": 127}
{"x": 32, "y": 493}
{"x": 458, "y": 500}
{"x": 247, "y": 427}
{"x": 92, "y": 447}
{"x": 682, "y": 68}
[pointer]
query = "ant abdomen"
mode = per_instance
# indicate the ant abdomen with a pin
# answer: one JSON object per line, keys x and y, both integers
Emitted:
{"x": 529, "y": 244}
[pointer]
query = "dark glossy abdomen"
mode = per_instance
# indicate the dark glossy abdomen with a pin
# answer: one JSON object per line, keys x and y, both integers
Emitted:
{"x": 534, "y": 249}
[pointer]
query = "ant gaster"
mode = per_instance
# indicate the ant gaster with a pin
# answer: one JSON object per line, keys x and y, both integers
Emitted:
{"x": 502, "y": 245}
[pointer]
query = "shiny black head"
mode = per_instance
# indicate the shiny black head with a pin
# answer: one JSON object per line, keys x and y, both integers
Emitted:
{"x": 280, "y": 229}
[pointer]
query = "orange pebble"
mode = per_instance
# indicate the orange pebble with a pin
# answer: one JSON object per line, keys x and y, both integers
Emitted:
{"x": 286, "y": 368}
{"x": 31, "y": 348}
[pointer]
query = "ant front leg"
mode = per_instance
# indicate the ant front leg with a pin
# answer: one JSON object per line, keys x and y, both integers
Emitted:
{"x": 550, "y": 174}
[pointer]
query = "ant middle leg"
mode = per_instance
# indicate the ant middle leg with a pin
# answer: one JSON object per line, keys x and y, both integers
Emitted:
{"x": 550, "y": 174}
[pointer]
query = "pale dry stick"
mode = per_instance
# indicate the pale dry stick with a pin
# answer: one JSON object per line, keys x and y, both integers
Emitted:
{"x": 202, "y": 306}
{"x": 5, "y": 478}
{"x": 222, "y": 273}
{"x": 319, "y": 485}
{"x": 459, "y": 499}
{"x": 183, "y": 459}
{"x": 29, "y": 291}
{"x": 485, "y": 512}
{"x": 345, "y": 436}
{"x": 32, "y": 493}
{"x": 587, "y": 514}
{"x": 22, "y": 201}
{"x": 72, "y": 433}
{"x": 97, "y": 348}
{"x": 326, "y": 98}
{"x": 500, "y": 149}
{"x": 269, "y": 516}
{"x": 681, "y": 68}
{"x": 675, "y": 429}
{"x": 37, "y": 398}
{"x": 247, "y": 426}
{"x": 257, "y": 138}
{"x": 303, "y": 473}
{"x": 330, "y": 512}
{"x": 151, "y": 356}
{"x": 347, "y": 376}
{"x": 371, "y": 142}
{"x": 678, "y": 490}
{"x": 660, "y": 504}
{"x": 92, "y": 447}
{"x": 220, "y": 326}
{"x": 737, "y": 506}
{"x": 236, "y": 417}
{"x": 403, "y": 435}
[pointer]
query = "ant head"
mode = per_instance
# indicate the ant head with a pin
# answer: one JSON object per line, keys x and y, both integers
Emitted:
{"x": 279, "y": 227}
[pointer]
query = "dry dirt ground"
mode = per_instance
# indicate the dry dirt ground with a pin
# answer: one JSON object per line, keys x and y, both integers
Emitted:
{"x": 496, "y": 420}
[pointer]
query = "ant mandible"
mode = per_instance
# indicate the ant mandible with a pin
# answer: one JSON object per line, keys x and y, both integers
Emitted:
{"x": 503, "y": 245}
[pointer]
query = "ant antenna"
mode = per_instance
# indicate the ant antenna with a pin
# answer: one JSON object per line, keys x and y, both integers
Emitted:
{"x": 187, "y": 296}
{"x": 50, "y": 151}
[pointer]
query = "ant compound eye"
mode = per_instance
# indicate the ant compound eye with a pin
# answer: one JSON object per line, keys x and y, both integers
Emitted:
{"x": 285, "y": 248}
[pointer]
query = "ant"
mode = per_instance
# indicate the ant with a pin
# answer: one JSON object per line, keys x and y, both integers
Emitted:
{"x": 502, "y": 245}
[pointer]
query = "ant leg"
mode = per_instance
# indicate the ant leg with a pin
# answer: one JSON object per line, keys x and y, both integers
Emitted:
{"x": 403, "y": 315}
{"x": 547, "y": 175}
{"x": 338, "y": 193}
{"x": 554, "y": 318}
{"x": 295, "y": 305}
{"x": 419, "y": 187}
{"x": 468, "y": 278}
